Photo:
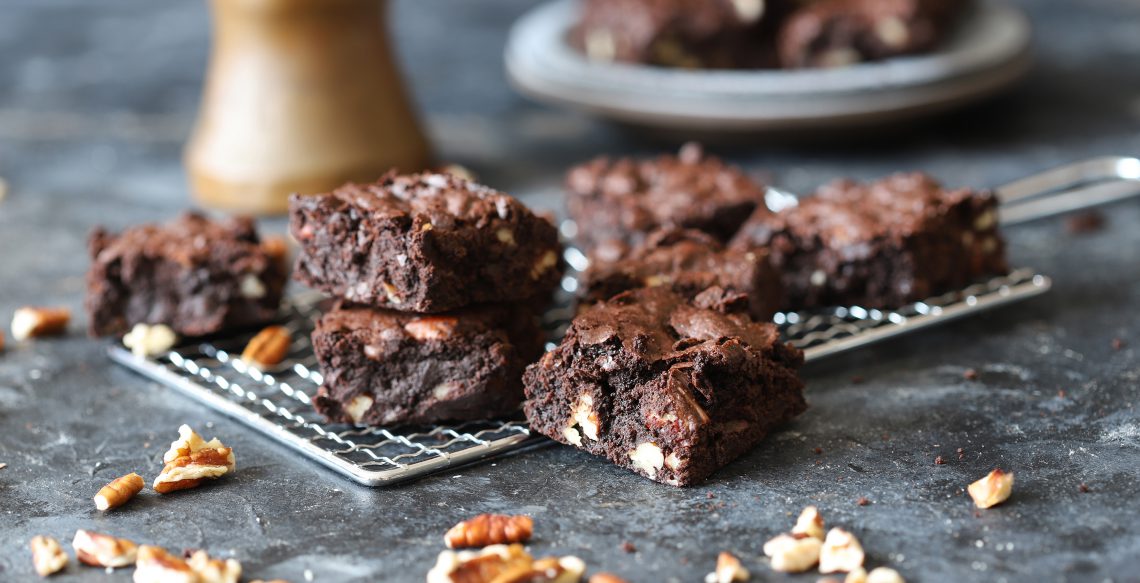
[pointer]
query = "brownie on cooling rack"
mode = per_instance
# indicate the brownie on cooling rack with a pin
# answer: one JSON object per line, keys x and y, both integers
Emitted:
{"x": 881, "y": 244}
{"x": 835, "y": 33}
{"x": 679, "y": 33}
{"x": 668, "y": 387}
{"x": 617, "y": 202}
{"x": 193, "y": 274}
{"x": 424, "y": 243}
{"x": 383, "y": 367}
{"x": 689, "y": 262}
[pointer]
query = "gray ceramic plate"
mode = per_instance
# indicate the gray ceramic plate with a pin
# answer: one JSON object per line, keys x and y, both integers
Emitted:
{"x": 990, "y": 52}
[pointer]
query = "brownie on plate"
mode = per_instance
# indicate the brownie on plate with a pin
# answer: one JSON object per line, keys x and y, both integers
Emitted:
{"x": 195, "y": 275}
{"x": 616, "y": 203}
{"x": 678, "y": 33}
{"x": 881, "y": 244}
{"x": 424, "y": 243}
{"x": 690, "y": 262}
{"x": 835, "y": 33}
{"x": 383, "y": 367}
{"x": 668, "y": 387}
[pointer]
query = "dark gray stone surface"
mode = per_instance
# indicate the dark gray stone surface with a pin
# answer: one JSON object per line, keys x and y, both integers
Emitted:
{"x": 95, "y": 99}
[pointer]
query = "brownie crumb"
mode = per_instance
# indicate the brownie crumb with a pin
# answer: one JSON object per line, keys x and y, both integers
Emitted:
{"x": 1118, "y": 343}
{"x": 1061, "y": 394}
{"x": 710, "y": 495}
{"x": 857, "y": 380}
{"x": 939, "y": 461}
{"x": 628, "y": 547}
{"x": 818, "y": 450}
{"x": 1085, "y": 223}
{"x": 862, "y": 501}
{"x": 886, "y": 436}
{"x": 1084, "y": 488}
{"x": 970, "y": 374}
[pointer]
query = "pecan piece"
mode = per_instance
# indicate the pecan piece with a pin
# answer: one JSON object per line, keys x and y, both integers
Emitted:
{"x": 268, "y": 348}
{"x": 103, "y": 550}
{"x": 489, "y": 529}
{"x": 47, "y": 556}
{"x": 34, "y": 322}
{"x": 191, "y": 460}
{"x": 118, "y": 492}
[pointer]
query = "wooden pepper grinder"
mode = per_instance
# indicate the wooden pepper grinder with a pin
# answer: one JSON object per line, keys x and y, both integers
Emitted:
{"x": 301, "y": 96}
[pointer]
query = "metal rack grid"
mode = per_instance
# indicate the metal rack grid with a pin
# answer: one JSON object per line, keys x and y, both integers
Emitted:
{"x": 276, "y": 402}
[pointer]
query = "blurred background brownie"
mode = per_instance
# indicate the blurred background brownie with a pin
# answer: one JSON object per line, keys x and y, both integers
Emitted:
{"x": 678, "y": 33}
{"x": 383, "y": 367}
{"x": 664, "y": 386}
{"x": 195, "y": 275}
{"x": 881, "y": 244}
{"x": 690, "y": 262}
{"x": 424, "y": 243}
{"x": 835, "y": 33}
{"x": 617, "y": 202}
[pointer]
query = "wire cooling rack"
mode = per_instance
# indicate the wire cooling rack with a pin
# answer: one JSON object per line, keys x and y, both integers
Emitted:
{"x": 277, "y": 402}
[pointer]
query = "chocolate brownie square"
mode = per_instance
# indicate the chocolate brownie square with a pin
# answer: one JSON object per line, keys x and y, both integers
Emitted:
{"x": 665, "y": 386}
{"x": 882, "y": 244}
{"x": 616, "y": 203}
{"x": 195, "y": 275}
{"x": 834, "y": 33}
{"x": 678, "y": 33}
{"x": 424, "y": 243}
{"x": 690, "y": 262}
{"x": 383, "y": 367}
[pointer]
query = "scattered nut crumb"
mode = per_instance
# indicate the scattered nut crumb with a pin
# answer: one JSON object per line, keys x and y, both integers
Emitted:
{"x": 103, "y": 550}
{"x": 862, "y": 501}
{"x": 1085, "y": 223}
{"x": 1084, "y": 488}
{"x": 1061, "y": 393}
{"x": 2, "y": 466}
{"x": 841, "y": 552}
{"x": 793, "y": 553}
{"x": 961, "y": 454}
{"x": 191, "y": 460}
{"x": 628, "y": 547}
{"x": 991, "y": 490}
{"x": 1118, "y": 343}
{"x": 35, "y": 322}
{"x": 884, "y": 575}
{"x": 489, "y": 529}
{"x": 970, "y": 374}
{"x": 1, "y": 341}
{"x": 150, "y": 340}
{"x": 268, "y": 348}
{"x": 47, "y": 556}
{"x": 606, "y": 578}
{"x": 939, "y": 461}
{"x": 857, "y": 380}
{"x": 490, "y": 563}
{"x": 809, "y": 523}
{"x": 118, "y": 492}
{"x": 728, "y": 570}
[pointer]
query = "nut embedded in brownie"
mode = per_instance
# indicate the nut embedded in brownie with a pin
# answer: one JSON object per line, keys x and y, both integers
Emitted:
{"x": 194, "y": 275}
{"x": 690, "y": 262}
{"x": 616, "y": 203}
{"x": 678, "y": 33}
{"x": 836, "y": 33}
{"x": 424, "y": 243}
{"x": 881, "y": 244}
{"x": 665, "y": 386}
{"x": 383, "y": 367}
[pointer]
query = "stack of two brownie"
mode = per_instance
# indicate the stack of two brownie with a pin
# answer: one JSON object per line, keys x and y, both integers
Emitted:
{"x": 438, "y": 283}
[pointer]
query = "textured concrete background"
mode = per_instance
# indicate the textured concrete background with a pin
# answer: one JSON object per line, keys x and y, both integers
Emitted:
{"x": 95, "y": 99}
